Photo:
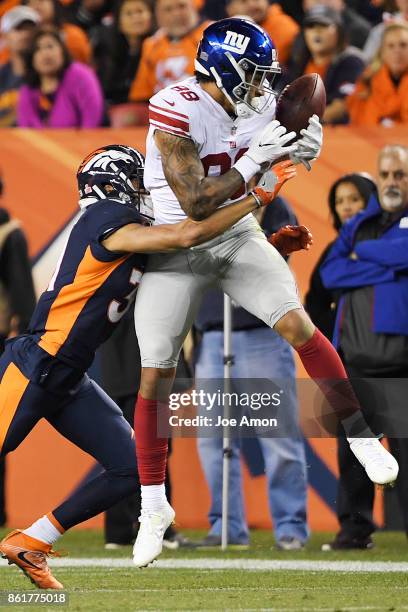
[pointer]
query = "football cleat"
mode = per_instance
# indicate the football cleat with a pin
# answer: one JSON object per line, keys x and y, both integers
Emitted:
{"x": 380, "y": 465}
{"x": 149, "y": 541}
{"x": 30, "y": 555}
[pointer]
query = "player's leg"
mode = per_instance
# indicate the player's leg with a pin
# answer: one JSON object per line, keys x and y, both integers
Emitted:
{"x": 93, "y": 422}
{"x": 120, "y": 519}
{"x": 22, "y": 405}
{"x": 166, "y": 304}
{"x": 260, "y": 281}
{"x": 165, "y": 307}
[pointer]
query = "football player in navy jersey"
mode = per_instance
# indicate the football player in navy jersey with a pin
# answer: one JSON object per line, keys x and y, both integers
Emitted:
{"x": 43, "y": 373}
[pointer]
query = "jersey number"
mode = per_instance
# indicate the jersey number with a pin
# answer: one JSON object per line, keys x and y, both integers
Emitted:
{"x": 224, "y": 162}
{"x": 187, "y": 94}
{"x": 117, "y": 308}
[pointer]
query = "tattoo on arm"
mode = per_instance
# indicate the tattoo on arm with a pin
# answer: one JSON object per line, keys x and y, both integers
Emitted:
{"x": 198, "y": 195}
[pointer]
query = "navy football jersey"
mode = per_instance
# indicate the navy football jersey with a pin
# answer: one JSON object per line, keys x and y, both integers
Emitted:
{"x": 91, "y": 288}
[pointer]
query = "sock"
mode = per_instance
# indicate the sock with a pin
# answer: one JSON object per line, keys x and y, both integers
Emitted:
{"x": 323, "y": 364}
{"x": 153, "y": 497}
{"x": 46, "y": 529}
{"x": 356, "y": 426}
{"x": 151, "y": 451}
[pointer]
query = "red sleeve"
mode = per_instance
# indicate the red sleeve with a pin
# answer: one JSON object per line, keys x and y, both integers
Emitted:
{"x": 166, "y": 115}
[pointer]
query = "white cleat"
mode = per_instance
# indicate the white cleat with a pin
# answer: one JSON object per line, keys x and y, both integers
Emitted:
{"x": 149, "y": 541}
{"x": 380, "y": 465}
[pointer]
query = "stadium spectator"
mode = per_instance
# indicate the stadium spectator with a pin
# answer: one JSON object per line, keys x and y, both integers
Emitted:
{"x": 6, "y": 5}
{"x": 168, "y": 56}
{"x": 355, "y": 25}
{"x": 89, "y": 13}
{"x": 17, "y": 28}
{"x": 76, "y": 40}
{"x": 347, "y": 196}
{"x": 326, "y": 52}
{"x": 117, "y": 48}
{"x": 280, "y": 27}
{"x": 293, "y": 8}
{"x": 372, "y": 10}
{"x": 258, "y": 353}
{"x": 381, "y": 94}
{"x": 373, "y": 42}
{"x": 58, "y": 92}
{"x": 17, "y": 297}
{"x": 357, "y": 14}
{"x": 214, "y": 9}
{"x": 369, "y": 264}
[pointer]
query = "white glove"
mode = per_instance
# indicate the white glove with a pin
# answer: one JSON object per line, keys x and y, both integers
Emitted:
{"x": 309, "y": 146}
{"x": 269, "y": 145}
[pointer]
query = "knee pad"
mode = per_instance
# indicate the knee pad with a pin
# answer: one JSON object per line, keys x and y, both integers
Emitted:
{"x": 158, "y": 351}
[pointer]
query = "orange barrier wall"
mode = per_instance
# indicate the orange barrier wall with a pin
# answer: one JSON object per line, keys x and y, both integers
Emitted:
{"x": 38, "y": 171}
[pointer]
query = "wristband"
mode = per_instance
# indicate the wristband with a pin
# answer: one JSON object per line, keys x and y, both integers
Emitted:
{"x": 247, "y": 168}
{"x": 256, "y": 198}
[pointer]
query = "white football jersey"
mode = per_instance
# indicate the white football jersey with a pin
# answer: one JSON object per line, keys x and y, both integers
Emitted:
{"x": 186, "y": 110}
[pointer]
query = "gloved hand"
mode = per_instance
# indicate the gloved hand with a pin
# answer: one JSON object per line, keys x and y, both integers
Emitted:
{"x": 309, "y": 146}
{"x": 272, "y": 181}
{"x": 291, "y": 238}
{"x": 271, "y": 143}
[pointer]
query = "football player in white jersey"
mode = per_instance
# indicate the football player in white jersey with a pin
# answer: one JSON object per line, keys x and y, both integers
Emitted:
{"x": 211, "y": 138}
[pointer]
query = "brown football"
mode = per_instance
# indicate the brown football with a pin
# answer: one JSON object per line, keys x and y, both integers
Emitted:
{"x": 304, "y": 97}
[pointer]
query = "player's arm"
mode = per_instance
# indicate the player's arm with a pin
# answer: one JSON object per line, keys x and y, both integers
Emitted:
{"x": 135, "y": 238}
{"x": 199, "y": 196}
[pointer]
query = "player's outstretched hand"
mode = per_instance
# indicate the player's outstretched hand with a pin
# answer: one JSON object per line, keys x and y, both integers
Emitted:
{"x": 291, "y": 238}
{"x": 271, "y": 143}
{"x": 272, "y": 181}
{"x": 309, "y": 146}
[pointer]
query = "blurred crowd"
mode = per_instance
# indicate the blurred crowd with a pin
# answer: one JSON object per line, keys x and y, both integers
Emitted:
{"x": 90, "y": 63}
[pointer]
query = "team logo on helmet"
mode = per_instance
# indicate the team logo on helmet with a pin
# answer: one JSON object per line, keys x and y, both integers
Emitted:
{"x": 235, "y": 42}
{"x": 104, "y": 159}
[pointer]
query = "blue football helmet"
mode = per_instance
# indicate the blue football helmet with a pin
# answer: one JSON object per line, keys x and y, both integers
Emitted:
{"x": 242, "y": 59}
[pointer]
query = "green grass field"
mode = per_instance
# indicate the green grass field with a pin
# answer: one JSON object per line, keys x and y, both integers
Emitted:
{"x": 200, "y": 587}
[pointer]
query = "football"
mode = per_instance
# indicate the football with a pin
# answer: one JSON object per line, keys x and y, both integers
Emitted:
{"x": 304, "y": 97}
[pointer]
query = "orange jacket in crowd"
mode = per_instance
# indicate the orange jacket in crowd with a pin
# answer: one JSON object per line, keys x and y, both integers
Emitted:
{"x": 7, "y": 5}
{"x": 76, "y": 40}
{"x": 370, "y": 104}
{"x": 164, "y": 62}
{"x": 282, "y": 29}
{"x": 77, "y": 43}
